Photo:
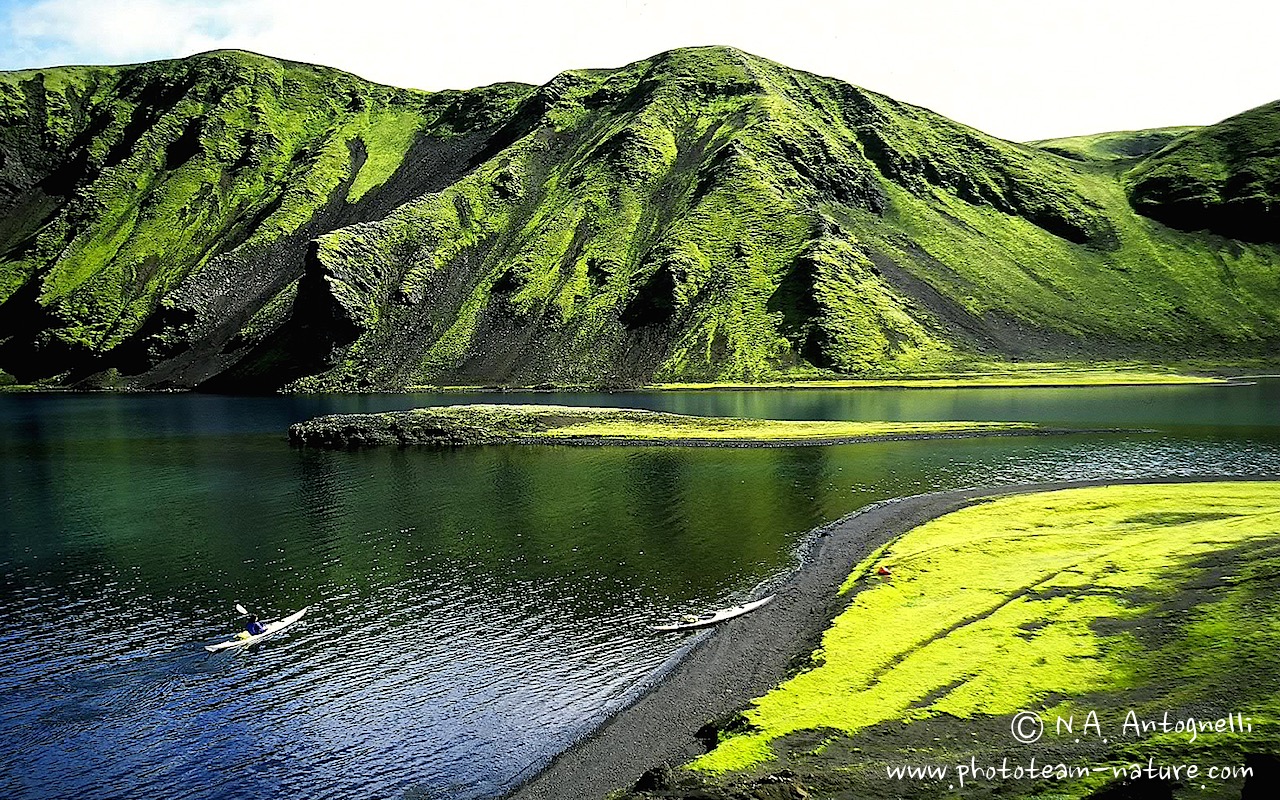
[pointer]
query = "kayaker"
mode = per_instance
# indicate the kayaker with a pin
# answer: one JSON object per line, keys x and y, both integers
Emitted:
{"x": 254, "y": 627}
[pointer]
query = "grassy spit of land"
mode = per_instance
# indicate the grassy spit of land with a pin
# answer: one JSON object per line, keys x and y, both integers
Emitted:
{"x": 1144, "y": 598}
{"x": 551, "y": 424}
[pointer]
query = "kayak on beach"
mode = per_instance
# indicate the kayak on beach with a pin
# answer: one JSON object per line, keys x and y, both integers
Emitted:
{"x": 244, "y": 639}
{"x": 691, "y": 622}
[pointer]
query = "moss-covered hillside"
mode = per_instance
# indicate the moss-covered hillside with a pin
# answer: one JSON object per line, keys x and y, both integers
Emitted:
{"x": 234, "y": 221}
{"x": 1114, "y": 145}
{"x": 154, "y": 218}
{"x": 1225, "y": 178}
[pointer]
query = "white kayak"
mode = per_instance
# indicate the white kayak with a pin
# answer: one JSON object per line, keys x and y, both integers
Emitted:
{"x": 244, "y": 639}
{"x": 713, "y": 618}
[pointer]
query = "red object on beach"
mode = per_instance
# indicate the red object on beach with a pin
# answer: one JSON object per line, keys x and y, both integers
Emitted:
{"x": 883, "y": 571}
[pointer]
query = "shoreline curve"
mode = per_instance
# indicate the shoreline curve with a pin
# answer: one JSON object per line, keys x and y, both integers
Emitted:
{"x": 721, "y": 670}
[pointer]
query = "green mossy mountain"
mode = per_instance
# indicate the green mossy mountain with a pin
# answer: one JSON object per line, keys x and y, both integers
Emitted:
{"x": 237, "y": 222}
{"x": 1224, "y": 178}
{"x": 154, "y": 219}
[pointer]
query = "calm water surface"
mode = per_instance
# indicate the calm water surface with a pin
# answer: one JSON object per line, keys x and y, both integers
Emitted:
{"x": 472, "y": 609}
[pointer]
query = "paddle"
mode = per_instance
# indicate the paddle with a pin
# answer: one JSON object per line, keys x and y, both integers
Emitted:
{"x": 243, "y": 611}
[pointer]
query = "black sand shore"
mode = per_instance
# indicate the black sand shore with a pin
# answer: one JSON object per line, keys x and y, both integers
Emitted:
{"x": 742, "y": 659}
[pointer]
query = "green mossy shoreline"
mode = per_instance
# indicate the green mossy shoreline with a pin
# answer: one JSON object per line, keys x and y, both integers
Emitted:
{"x": 485, "y": 424}
{"x": 1028, "y": 376}
{"x": 1145, "y": 597}
{"x": 698, "y": 698}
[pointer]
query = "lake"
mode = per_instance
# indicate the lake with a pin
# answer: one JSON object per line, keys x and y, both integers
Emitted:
{"x": 472, "y": 610}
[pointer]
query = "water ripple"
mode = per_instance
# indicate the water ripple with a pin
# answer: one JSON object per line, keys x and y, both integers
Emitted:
{"x": 471, "y": 610}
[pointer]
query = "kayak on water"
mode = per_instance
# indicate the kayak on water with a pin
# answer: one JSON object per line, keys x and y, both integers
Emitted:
{"x": 691, "y": 622}
{"x": 244, "y": 639}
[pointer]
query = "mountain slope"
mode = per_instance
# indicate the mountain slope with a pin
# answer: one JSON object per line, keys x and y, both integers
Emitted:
{"x": 236, "y": 222}
{"x": 1225, "y": 178}
{"x": 1114, "y": 145}
{"x": 150, "y": 212}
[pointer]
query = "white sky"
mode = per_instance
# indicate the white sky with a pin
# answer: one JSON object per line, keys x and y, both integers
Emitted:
{"x": 1020, "y": 69}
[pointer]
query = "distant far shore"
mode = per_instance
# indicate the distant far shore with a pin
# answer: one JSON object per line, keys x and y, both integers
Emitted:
{"x": 1037, "y": 376}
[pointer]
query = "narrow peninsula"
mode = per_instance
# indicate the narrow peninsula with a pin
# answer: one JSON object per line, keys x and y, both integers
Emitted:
{"x": 479, "y": 424}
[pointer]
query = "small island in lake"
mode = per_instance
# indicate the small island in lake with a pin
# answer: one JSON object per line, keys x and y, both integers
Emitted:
{"x": 554, "y": 424}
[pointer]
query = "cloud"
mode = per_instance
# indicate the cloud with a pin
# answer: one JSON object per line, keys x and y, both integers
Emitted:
{"x": 114, "y": 31}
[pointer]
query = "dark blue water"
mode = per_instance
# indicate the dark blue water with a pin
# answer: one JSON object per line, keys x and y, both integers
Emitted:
{"x": 472, "y": 609}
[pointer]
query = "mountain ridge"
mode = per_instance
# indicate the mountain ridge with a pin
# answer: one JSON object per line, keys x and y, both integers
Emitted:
{"x": 232, "y": 221}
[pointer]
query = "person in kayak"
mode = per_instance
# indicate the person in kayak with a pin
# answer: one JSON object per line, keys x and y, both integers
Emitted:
{"x": 253, "y": 627}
